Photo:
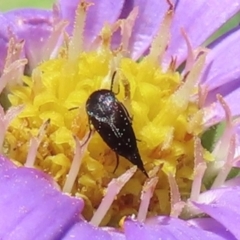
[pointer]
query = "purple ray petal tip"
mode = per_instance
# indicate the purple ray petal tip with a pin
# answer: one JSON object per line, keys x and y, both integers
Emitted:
{"x": 223, "y": 205}
{"x": 31, "y": 207}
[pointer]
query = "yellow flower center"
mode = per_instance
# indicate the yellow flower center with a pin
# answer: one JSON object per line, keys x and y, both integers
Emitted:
{"x": 165, "y": 122}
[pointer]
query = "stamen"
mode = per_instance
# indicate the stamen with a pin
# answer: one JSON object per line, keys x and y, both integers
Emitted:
{"x": 113, "y": 189}
{"x": 176, "y": 203}
{"x": 126, "y": 29}
{"x": 77, "y": 161}
{"x": 105, "y": 37}
{"x": 194, "y": 125}
{"x": 147, "y": 193}
{"x": 225, "y": 170}
{"x": 76, "y": 44}
{"x": 190, "y": 55}
{"x": 99, "y": 40}
{"x": 160, "y": 43}
{"x": 168, "y": 139}
{"x": 202, "y": 95}
{"x": 34, "y": 144}
{"x": 182, "y": 95}
{"x": 37, "y": 81}
{"x": 53, "y": 43}
{"x": 15, "y": 49}
{"x": 172, "y": 65}
{"x": 221, "y": 150}
{"x": 13, "y": 73}
{"x": 227, "y": 110}
{"x": 199, "y": 170}
{"x": 5, "y": 120}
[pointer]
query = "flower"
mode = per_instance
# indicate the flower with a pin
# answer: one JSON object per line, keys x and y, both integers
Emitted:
{"x": 47, "y": 129}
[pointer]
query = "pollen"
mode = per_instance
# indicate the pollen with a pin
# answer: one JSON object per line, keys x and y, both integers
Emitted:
{"x": 165, "y": 119}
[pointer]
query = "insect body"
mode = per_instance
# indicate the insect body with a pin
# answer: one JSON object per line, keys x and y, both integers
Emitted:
{"x": 113, "y": 123}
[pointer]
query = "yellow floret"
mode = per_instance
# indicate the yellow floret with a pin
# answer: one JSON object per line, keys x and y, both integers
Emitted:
{"x": 163, "y": 128}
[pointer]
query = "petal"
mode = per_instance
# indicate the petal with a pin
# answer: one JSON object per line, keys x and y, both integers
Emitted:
{"x": 212, "y": 225}
{"x": 222, "y": 64}
{"x": 31, "y": 207}
{"x": 199, "y": 19}
{"x": 87, "y": 231}
{"x": 35, "y": 27}
{"x": 104, "y": 11}
{"x": 5, "y": 165}
{"x": 223, "y": 205}
{"x": 165, "y": 228}
{"x": 222, "y": 74}
{"x": 115, "y": 233}
{"x": 150, "y": 15}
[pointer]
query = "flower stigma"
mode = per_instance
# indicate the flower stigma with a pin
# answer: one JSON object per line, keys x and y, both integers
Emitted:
{"x": 166, "y": 120}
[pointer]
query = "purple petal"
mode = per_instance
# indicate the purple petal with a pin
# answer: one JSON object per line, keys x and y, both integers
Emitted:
{"x": 222, "y": 65}
{"x": 222, "y": 74}
{"x": 86, "y": 231}
{"x": 223, "y": 205}
{"x": 212, "y": 225}
{"x": 150, "y": 16}
{"x": 5, "y": 165}
{"x": 165, "y": 228}
{"x": 199, "y": 19}
{"x": 34, "y": 26}
{"x": 31, "y": 207}
{"x": 100, "y": 13}
{"x": 115, "y": 233}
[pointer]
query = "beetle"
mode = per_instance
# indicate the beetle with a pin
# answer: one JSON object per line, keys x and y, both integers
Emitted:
{"x": 112, "y": 121}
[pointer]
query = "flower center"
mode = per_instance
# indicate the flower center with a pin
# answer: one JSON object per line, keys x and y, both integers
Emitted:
{"x": 163, "y": 129}
{"x": 165, "y": 121}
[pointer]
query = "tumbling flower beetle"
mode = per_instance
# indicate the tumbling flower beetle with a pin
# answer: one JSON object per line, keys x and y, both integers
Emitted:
{"x": 111, "y": 120}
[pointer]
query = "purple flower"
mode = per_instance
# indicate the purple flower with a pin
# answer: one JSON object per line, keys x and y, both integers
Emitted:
{"x": 146, "y": 42}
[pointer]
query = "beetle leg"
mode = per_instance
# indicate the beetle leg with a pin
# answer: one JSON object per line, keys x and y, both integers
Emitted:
{"x": 73, "y": 108}
{"x": 90, "y": 133}
{"x": 112, "y": 81}
{"x": 117, "y": 157}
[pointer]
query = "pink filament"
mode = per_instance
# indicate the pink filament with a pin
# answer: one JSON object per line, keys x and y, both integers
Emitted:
{"x": 147, "y": 193}
{"x": 76, "y": 163}
{"x": 34, "y": 144}
{"x": 199, "y": 170}
{"x": 113, "y": 189}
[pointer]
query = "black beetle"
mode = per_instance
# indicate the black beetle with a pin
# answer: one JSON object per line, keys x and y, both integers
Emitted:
{"x": 111, "y": 120}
